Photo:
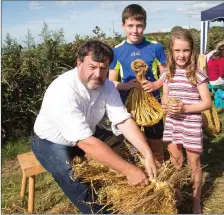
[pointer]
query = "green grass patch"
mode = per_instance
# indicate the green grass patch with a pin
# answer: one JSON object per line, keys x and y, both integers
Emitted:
{"x": 49, "y": 198}
{"x": 13, "y": 148}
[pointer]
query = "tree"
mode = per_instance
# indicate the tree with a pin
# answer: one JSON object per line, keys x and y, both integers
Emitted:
{"x": 29, "y": 40}
{"x": 99, "y": 33}
{"x": 45, "y": 33}
{"x": 175, "y": 28}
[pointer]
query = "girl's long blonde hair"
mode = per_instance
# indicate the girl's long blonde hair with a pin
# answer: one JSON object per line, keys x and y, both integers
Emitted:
{"x": 191, "y": 67}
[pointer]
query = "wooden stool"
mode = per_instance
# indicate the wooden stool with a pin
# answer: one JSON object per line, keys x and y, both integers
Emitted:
{"x": 30, "y": 167}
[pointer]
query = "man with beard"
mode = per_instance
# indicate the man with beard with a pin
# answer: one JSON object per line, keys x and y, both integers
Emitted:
{"x": 73, "y": 105}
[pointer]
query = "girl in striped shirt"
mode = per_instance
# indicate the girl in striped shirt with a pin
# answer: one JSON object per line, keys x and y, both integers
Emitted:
{"x": 183, "y": 125}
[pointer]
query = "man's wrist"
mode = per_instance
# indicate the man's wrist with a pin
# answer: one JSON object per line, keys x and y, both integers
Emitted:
{"x": 147, "y": 154}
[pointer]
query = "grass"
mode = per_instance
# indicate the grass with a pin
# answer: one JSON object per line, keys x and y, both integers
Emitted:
{"x": 49, "y": 199}
{"x": 213, "y": 175}
{"x": 13, "y": 148}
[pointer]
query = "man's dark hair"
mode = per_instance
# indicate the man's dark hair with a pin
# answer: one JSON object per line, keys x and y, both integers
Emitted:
{"x": 134, "y": 11}
{"x": 98, "y": 50}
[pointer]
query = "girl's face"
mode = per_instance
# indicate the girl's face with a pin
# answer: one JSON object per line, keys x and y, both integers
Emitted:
{"x": 181, "y": 53}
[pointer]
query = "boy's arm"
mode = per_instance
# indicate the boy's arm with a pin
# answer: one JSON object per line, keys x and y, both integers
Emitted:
{"x": 164, "y": 96}
{"x": 152, "y": 86}
{"x": 113, "y": 76}
{"x": 161, "y": 68}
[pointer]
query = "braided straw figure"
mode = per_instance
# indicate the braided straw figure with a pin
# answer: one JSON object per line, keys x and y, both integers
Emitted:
{"x": 210, "y": 121}
{"x": 144, "y": 107}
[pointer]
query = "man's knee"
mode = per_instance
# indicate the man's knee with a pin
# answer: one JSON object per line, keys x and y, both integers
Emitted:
{"x": 63, "y": 171}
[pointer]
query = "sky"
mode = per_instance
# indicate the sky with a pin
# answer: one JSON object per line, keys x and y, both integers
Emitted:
{"x": 81, "y": 17}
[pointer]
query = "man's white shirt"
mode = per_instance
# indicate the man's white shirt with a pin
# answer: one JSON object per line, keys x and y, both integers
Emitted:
{"x": 70, "y": 113}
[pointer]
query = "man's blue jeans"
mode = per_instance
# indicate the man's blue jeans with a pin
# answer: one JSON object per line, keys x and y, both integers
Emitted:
{"x": 57, "y": 159}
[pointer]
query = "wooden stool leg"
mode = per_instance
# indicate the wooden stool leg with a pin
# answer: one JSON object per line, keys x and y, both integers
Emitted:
{"x": 23, "y": 186}
{"x": 31, "y": 194}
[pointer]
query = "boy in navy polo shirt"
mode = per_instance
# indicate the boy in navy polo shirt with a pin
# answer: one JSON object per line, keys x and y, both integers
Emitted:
{"x": 136, "y": 46}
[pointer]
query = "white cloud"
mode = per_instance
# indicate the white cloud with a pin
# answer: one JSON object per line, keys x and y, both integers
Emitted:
{"x": 34, "y": 5}
{"x": 165, "y": 30}
{"x": 62, "y": 3}
{"x": 179, "y": 9}
{"x": 67, "y": 17}
{"x": 114, "y": 5}
{"x": 195, "y": 8}
{"x": 119, "y": 6}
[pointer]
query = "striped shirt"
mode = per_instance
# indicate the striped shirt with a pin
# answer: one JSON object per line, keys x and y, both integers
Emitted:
{"x": 185, "y": 128}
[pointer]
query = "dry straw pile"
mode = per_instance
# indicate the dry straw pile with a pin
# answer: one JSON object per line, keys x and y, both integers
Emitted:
{"x": 114, "y": 191}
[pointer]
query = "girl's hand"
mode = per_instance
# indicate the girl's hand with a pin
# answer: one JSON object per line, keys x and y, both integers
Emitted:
{"x": 148, "y": 86}
{"x": 175, "y": 109}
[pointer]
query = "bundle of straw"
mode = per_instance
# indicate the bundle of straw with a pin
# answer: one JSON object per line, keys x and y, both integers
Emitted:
{"x": 114, "y": 191}
{"x": 202, "y": 62}
{"x": 172, "y": 100}
{"x": 210, "y": 120}
{"x": 144, "y": 107}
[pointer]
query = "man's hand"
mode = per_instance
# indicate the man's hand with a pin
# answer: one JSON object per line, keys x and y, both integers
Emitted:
{"x": 136, "y": 176}
{"x": 150, "y": 167}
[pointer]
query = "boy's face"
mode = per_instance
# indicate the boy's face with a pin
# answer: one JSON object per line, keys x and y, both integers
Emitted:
{"x": 134, "y": 30}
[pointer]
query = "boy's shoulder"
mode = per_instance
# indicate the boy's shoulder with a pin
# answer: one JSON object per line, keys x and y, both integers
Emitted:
{"x": 150, "y": 40}
{"x": 119, "y": 45}
{"x": 153, "y": 43}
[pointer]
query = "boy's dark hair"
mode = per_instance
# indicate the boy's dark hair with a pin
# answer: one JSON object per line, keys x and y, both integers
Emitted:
{"x": 134, "y": 11}
{"x": 98, "y": 50}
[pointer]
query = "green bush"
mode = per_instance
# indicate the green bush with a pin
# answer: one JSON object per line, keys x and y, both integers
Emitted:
{"x": 27, "y": 71}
